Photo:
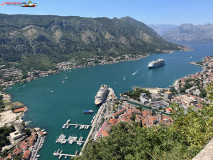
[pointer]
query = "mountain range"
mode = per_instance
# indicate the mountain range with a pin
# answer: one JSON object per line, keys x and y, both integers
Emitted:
{"x": 163, "y": 29}
{"x": 47, "y": 34}
{"x": 186, "y": 32}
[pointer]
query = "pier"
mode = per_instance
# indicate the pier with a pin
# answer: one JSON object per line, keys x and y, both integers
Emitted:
{"x": 71, "y": 139}
{"x": 81, "y": 126}
{"x": 37, "y": 146}
{"x": 60, "y": 153}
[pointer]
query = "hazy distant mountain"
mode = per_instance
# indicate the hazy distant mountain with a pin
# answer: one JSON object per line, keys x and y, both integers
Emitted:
{"x": 47, "y": 34}
{"x": 191, "y": 33}
{"x": 163, "y": 29}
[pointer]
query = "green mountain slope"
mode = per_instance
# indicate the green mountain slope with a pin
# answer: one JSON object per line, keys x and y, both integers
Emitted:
{"x": 44, "y": 40}
{"x": 39, "y": 34}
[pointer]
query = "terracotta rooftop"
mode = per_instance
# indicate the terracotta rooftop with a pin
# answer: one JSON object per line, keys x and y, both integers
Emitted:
{"x": 105, "y": 133}
{"x": 26, "y": 155}
{"x": 19, "y": 110}
{"x": 17, "y": 151}
{"x": 101, "y": 130}
{"x": 112, "y": 121}
{"x": 119, "y": 112}
{"x": 23, "y": 145}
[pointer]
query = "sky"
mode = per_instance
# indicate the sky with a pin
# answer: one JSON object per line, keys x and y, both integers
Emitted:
{"x": 147, "y": 11}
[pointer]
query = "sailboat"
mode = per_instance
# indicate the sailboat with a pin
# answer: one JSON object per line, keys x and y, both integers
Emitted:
{"x": 66, "y": 76}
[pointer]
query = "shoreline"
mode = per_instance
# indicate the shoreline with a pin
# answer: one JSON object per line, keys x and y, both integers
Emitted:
{"x": 64, "y": 66}
{"x": 9, "y": 116}
{"x": 192, "y": 63}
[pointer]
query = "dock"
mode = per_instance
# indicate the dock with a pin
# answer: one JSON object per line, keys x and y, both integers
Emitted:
{"x": 60, "y": 153}
{"x": 71, "y": 139}
{"x": 37, "y": 147}
{"x": 81, "y": 126}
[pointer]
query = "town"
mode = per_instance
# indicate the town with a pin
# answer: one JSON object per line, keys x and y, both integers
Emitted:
{"x": 151, "y": 106}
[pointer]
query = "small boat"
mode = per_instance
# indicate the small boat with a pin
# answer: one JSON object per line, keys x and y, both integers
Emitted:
{"x": 66, "y": 78}
{"x": 51, "y": 91}
{"x": 88, "y": 111}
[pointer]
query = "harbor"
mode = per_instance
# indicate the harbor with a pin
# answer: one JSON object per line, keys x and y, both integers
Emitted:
{"x": 104, "y": 112}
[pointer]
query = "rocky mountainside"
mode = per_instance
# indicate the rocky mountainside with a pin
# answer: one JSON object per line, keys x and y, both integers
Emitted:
{"x": 191, "y": 33}
{"x": 47, "y": 34}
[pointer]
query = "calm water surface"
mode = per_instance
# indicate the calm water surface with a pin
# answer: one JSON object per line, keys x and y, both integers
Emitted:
{"x": 51, "y": 110}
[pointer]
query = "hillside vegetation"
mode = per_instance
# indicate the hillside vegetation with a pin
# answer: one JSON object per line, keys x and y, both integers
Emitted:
{"x": 60, "y": 38}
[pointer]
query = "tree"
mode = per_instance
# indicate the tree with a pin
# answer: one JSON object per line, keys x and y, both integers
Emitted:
{"x": 27, "y": 131}
{"x": 133, "y": 117}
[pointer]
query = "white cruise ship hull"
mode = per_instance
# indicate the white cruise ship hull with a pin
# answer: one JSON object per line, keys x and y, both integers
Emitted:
{"x": 156, "y": 64}
{"x": 101, "y": 95}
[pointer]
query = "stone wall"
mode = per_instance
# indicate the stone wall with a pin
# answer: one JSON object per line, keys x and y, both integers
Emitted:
{"x": 206, "y": 153}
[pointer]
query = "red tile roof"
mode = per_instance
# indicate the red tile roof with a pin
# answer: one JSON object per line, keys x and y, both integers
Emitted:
{"x": 119, "y": 112}
{"x": 105, "y": 133}
{"x": 23, "y": 145}
{"x": 17, "y": 151}
{"x": 19, "y": 110}
{"x": 112, "y": 121}
{"x": 26, "y": 154}
{"x": 101, "y": 130}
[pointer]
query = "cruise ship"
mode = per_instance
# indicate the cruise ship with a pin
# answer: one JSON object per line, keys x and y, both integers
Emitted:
{"x": 101, "y": 95}
{"x": 155, "y": 64}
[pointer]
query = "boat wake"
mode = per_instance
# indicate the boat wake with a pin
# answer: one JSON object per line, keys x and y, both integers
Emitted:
{"x": 124, "y": 78}
{"x": 135, "y": 72}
